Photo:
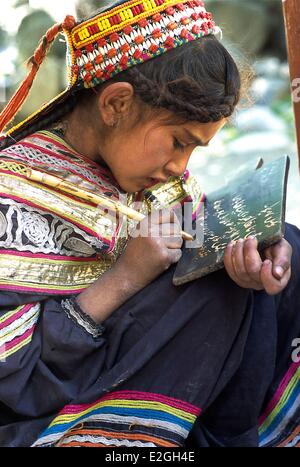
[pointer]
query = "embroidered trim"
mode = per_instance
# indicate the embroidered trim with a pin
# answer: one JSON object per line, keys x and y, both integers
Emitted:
{"x": 276, "y": 424}
{"x": 77, "y": 315}
{"x": 123, "y": 418}
{"x": 17, "y": 328}
{"x": 133, "y": 33}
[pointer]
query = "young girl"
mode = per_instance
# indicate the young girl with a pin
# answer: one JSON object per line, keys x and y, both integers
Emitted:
{"x": 97, "y": 346}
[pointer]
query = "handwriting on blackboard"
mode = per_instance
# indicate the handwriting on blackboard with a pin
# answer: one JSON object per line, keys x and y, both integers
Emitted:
{"x": 252, "y": 204}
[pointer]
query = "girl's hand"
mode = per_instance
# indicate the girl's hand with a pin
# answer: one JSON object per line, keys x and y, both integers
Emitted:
{"x": 246, "y": 267}
{"x": 154, "y": 247}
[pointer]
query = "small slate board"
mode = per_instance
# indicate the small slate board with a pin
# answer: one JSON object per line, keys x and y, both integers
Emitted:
{"x": 252, "y": 204}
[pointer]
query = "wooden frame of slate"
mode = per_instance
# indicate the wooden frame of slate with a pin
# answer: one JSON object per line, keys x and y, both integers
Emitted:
{"x": 291, "y": 10}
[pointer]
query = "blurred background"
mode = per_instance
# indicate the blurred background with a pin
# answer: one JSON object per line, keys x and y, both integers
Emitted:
{"x": 254, "y": 32}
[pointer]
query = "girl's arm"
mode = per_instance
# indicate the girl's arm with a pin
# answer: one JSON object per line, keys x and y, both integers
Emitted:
{"x": 52, "y": 349}
{"x": 45, "y": 353}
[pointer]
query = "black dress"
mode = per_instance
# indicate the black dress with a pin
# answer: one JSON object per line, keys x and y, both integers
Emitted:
{"x": 204, "y": 364}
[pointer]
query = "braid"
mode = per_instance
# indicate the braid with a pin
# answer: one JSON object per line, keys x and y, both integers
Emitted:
{"x": 198, "y": 82}
{"x": 167, "y": 97}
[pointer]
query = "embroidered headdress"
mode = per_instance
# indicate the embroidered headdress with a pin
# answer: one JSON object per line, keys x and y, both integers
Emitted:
{"x": 119, "y": 37}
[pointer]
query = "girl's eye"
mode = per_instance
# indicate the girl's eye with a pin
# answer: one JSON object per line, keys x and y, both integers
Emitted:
{"x": 178, "y": 145}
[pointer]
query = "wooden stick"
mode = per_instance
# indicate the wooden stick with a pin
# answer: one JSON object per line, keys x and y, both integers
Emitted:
{"x": 291, "y": 9}
{"x": 67, "y": 187}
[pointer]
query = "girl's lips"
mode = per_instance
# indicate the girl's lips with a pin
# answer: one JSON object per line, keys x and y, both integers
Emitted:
{"x": 155, "y": 181}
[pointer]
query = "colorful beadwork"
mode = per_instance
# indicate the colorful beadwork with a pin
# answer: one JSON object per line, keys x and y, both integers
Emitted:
{"x": 113, "y": 41}
{"x": 133, "y": 33}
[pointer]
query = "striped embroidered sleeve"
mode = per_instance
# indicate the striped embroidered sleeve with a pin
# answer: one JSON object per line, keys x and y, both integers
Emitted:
{"x": 46, "y": 346}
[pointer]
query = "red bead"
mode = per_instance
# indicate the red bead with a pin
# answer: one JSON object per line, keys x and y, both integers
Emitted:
{"x": 88, "y": 66}
{"x": 124, "y": 60}
{"x": 99, "y": 59}
{"x": 110, "y": 68}
{"x": 157, "y": 33}
{"x": 128, "y": 29}
{"x": 99, "y": 73}
{"x": 171, "y": 26}
{"x": 184, "y": 34}
{"x": 139, "y": 39}
{"x": 180, "y": 6}
{"x": 196, "y": 29}
{"x": 185, "y": 20}
{"x": 157, "y": 17}
{"x": 78, "y": 53}
{"x": 93, "y": 29}
{"x": 89, "y": 48}
{"x": 170, "y": 10}
{"x": 205, "y": 28}
{"x": 102, "y": 42}
{"x": 88, "y": 77}
{"x": 169, "y": 42}
{"x": 195, "y": 16}
{"x": 125, "y": 48}
{"x": 118, "y": 18}
{"x": 112, "y": 53}
{"x": 153, "y": 48}
{"x": 137, "y": 54}
{"x": 114, "y": 37}
{"x": 143, "y": 22}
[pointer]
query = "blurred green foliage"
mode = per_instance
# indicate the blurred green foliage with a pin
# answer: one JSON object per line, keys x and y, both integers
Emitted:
{"x": 3, "y": 39}
{"x": 30, "y": 31}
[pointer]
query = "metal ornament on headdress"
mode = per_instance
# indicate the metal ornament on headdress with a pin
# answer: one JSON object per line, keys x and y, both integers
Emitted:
{"x": 115, "y": 40}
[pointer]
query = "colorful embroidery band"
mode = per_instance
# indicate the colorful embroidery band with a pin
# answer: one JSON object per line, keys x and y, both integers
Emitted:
{"x": 123, "y": 419}
{"x": 16, "y": 329}
{"x": 277, "y": 424}
{"x": 133, "y": 33}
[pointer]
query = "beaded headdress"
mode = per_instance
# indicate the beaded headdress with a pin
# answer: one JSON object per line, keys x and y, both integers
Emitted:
{"x": 123, "y": 35}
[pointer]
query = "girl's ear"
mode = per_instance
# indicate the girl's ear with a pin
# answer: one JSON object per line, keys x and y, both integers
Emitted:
{"x": 115, "y": 102}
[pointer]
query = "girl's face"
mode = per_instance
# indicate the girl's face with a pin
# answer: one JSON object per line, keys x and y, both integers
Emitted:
{"x": 151, "y": 152}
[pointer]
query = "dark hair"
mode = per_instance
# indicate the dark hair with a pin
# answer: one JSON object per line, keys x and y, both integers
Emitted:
{"x": 198, "y": 81}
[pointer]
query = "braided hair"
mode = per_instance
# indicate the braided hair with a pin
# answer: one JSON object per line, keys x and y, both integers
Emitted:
{"x": 198, "y": 81}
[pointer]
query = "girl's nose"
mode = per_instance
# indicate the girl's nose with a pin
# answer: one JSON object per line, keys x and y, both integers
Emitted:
{"x": 176, "y": 168}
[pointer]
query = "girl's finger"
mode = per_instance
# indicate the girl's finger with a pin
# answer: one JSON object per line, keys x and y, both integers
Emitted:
{"x": 281, "y": 255}
{"x": 272, "y": 285}
{"x": 252, "y": 259}
{"x": 175, "y": 242}
{"x": 238, "y": 262}
{"x": 228, "y": 262}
